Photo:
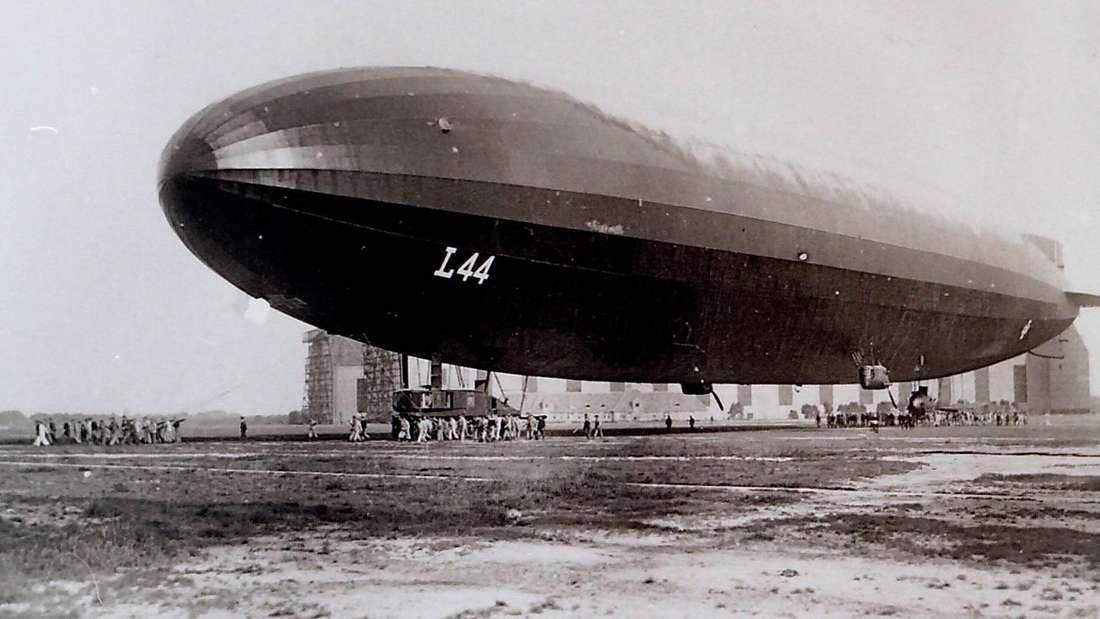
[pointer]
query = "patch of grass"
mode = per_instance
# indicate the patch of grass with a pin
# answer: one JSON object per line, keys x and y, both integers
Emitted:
{"x": 1047, "y": 511}
{"x": 1035, "y": 545}
{"x": 1081, "y": 483}
{"x": 73, "y": 552}
{"x": 826, "y": 472}
{"x": 907, "y": 507}
{"x": 547, "y": 605}
{"x": 129, "y": 525}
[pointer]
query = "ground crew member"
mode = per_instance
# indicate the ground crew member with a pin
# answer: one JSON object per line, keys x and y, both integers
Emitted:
{"x": 313, "y": 430}
{"x": 363, "y": 436}
{"x": 587, "y": 427}
{"x": 668, "y": 422}
{"x": 353, "y": 434}
{"x": 244, "y": 429}
{"x": 596, "y": 430}
{"x": 41, "y": 437}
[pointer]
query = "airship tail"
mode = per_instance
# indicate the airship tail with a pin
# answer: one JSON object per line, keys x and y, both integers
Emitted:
{"x": 1084, "y": 299}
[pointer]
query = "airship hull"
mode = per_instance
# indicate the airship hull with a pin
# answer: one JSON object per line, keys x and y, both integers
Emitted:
{"x": 410, "y": 222}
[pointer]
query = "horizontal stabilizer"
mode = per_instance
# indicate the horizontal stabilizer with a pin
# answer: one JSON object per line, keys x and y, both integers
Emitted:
{"x": 1083, "y": 299}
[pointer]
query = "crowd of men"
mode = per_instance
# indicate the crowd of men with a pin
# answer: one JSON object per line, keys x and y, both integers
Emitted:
{"x": 999, "y": 414}
{"x": 860, "y": 419}
{"x": 592, "y": 429}
{"x": 484, "y": 429}
{"x": 491, "y": 428}
{"x": 107, "y": 431}
{"x": 1007, "y": 416}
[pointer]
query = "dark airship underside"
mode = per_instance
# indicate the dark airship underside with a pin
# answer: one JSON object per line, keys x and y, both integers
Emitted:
{"x": 508, "y": 227}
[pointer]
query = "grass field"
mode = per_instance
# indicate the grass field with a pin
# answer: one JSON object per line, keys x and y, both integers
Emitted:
{"x": 88, "y": 531}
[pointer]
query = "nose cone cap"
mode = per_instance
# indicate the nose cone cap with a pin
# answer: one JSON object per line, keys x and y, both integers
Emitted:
{"x": 184, "y": 154}
{"x": 187, "y": 153}
{"x": 183, "y": 205}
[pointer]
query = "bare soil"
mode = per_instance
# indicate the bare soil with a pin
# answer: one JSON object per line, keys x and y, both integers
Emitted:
{"x": 836, "y": 523}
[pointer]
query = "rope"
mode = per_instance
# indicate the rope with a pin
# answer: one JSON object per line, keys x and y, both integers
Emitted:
{"x": 523, "y": 397}
{"x": 500, "y": 386}
{"x": 1030, "y": 352}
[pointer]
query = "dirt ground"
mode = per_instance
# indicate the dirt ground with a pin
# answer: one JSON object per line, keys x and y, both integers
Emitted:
{"x": 943, "y": 522}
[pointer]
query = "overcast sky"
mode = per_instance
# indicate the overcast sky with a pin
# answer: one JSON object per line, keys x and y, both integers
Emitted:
{"x": 992, "y": 107}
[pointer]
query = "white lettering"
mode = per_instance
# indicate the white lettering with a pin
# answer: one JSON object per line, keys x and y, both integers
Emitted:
{"x": 466, "y": 270}
{"x": 482, "y": 272}
{"x": 441, "y": 271}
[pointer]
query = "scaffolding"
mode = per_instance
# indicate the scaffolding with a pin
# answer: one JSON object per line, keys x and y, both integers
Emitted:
{"x": 332, "y": 364}
{"x": 317, "y": 395}
{"x": 382, "y": 375}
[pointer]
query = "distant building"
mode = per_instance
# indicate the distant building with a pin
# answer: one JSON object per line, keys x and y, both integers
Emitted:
{"x": 343, "y": 376}
{"x": 1055, "y": 379}
{"x": 1057, "y": 376}
{"x": 630, "y": 404}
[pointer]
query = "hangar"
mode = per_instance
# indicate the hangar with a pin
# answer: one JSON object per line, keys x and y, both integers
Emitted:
{"x": 343, "y": 376}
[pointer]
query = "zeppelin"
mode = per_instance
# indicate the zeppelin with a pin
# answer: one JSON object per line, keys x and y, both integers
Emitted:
{"x": 499, "y": 225}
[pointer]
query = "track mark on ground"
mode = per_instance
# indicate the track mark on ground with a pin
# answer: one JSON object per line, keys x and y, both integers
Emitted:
{"x": 819, "y": 490}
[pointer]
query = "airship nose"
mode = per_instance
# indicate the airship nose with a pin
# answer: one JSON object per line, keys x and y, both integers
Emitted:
{"x": 193, "y": 211}
{"x": 200, "y": 213}
{"x": 186, "y": 155}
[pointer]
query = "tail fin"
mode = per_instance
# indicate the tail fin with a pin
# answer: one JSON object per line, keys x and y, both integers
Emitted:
{"x": 1083, "y": 299}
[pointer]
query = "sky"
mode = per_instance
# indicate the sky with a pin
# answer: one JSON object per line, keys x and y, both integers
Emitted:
{"x": 988, "y": 107}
